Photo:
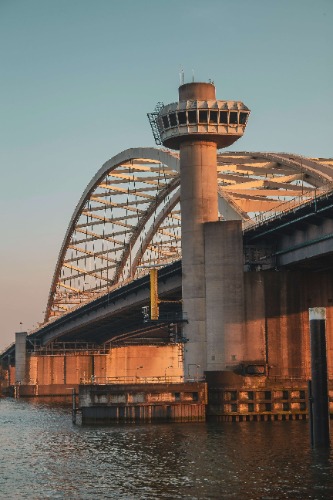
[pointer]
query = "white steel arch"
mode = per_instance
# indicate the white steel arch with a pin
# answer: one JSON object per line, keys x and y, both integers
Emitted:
{"x": 129, "y": 216}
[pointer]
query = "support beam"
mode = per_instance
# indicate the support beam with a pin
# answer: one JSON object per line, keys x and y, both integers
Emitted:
{"x": 154, "y": 309}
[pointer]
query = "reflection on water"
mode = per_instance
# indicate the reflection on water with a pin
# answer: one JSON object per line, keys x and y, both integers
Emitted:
{"x": 44, "y": 456}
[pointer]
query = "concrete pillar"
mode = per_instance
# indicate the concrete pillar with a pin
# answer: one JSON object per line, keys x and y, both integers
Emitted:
{"x": 198, "y": 199}
{"x": 196, "y": 125}
{"x": 20, "y": 356}
{"x": 224, "y": 294}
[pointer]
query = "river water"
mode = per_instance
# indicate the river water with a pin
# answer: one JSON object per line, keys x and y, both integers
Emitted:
{"x": 43, "y": 455}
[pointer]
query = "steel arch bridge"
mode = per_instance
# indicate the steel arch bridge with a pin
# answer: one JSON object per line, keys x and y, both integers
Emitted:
{"x": 129, "y": 218}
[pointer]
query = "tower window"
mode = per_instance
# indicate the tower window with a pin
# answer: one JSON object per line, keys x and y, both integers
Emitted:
{"x": 224, "y": 117}
{"x": 213, "y": 117}
{"x": 192, "y": 116}
{"x": 242, "y": 118}
{"x": 181, "y": 117}
{"x": 165, "y": 122}
{"x": 173, "y": 120}
{"x": 203, "y": 116}
{"x": 233, "y": 117}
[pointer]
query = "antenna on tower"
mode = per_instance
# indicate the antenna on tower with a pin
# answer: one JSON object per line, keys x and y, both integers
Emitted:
{"x": 181, "y": 76}
{"x": 192, "y": 75}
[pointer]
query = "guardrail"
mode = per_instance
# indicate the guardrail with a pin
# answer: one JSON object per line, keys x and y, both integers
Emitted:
{"x": 307, "y": 198}
{"x": 6, "y": 349}
{"x": 165, "y": 379}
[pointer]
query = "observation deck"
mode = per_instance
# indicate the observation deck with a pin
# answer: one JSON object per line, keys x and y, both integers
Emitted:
{"x": 206, "y": 119}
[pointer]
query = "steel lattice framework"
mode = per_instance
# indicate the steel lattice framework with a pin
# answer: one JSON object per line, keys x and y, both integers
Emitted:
{"x": 128, "y": 217}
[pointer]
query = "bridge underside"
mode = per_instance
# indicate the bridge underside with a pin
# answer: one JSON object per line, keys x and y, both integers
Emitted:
{"x": 128, "y": 326}
{"x": 118, "y": 318}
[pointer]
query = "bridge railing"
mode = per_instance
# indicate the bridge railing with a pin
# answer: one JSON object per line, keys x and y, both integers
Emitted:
{"x": 164, "y": 379}
{"x": 84, "y": 302}
{"x": 6, "y": 349}
{"x": 64, "y": 348}
{"x": 308, "y": 197}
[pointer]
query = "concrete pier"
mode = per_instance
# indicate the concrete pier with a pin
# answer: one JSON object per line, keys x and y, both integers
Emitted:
{"x": 132, "y": 403}
{"x": 198, "y": 205}
{"x": 224, "y": 287}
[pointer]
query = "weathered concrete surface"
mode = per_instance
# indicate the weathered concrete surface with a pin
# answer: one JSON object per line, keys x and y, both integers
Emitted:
{"x": 198, "y": 199}
{"x": 105, "y": 404}
{"x": 288, "y": 296}
{"x": 53, "y": 374}
{"x": 224, "y": 294}
{"x": 254, "y": 317}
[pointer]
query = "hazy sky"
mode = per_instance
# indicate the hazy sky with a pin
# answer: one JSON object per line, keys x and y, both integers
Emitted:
{"x": 79, "y": 76}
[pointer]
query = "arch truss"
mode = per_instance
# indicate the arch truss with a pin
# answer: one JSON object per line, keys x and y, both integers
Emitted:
{"x": 128, "y": 218}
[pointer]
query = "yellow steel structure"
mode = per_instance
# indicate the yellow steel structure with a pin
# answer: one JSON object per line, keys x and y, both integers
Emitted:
{"x": 154, "y": 300}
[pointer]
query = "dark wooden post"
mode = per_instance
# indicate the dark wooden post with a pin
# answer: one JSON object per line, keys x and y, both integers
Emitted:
{"x": 319, "y": 385}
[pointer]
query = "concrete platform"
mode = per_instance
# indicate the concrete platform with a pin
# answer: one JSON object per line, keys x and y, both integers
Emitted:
{"x": 135, "y": 403}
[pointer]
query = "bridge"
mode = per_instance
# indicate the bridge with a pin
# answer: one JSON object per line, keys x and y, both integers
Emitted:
{"x": 243, "y": 244}
{"x": 95, "y": 304}
{"x": 129, "y": 215}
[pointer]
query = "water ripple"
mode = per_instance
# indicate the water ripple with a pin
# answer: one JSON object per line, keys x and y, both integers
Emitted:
{"x": 43, "y": 456}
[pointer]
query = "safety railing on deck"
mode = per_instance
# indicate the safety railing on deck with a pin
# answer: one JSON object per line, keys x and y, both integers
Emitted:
{"x": 164, "y": 379}
{"x": 306, "y": 199}
{"x": 63, "y": 348}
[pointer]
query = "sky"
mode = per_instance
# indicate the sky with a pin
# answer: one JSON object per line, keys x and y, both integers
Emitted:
{"x": 79, "y": 76}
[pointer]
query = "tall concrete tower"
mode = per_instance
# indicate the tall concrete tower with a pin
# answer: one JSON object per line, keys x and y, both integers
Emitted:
{"x": 197, "y": 126}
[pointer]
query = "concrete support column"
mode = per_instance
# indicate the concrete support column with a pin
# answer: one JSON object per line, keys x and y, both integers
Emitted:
{"x": 198, "y": 199}
{"x": 20, "y": 356}
{"x": 224, "y": 294}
